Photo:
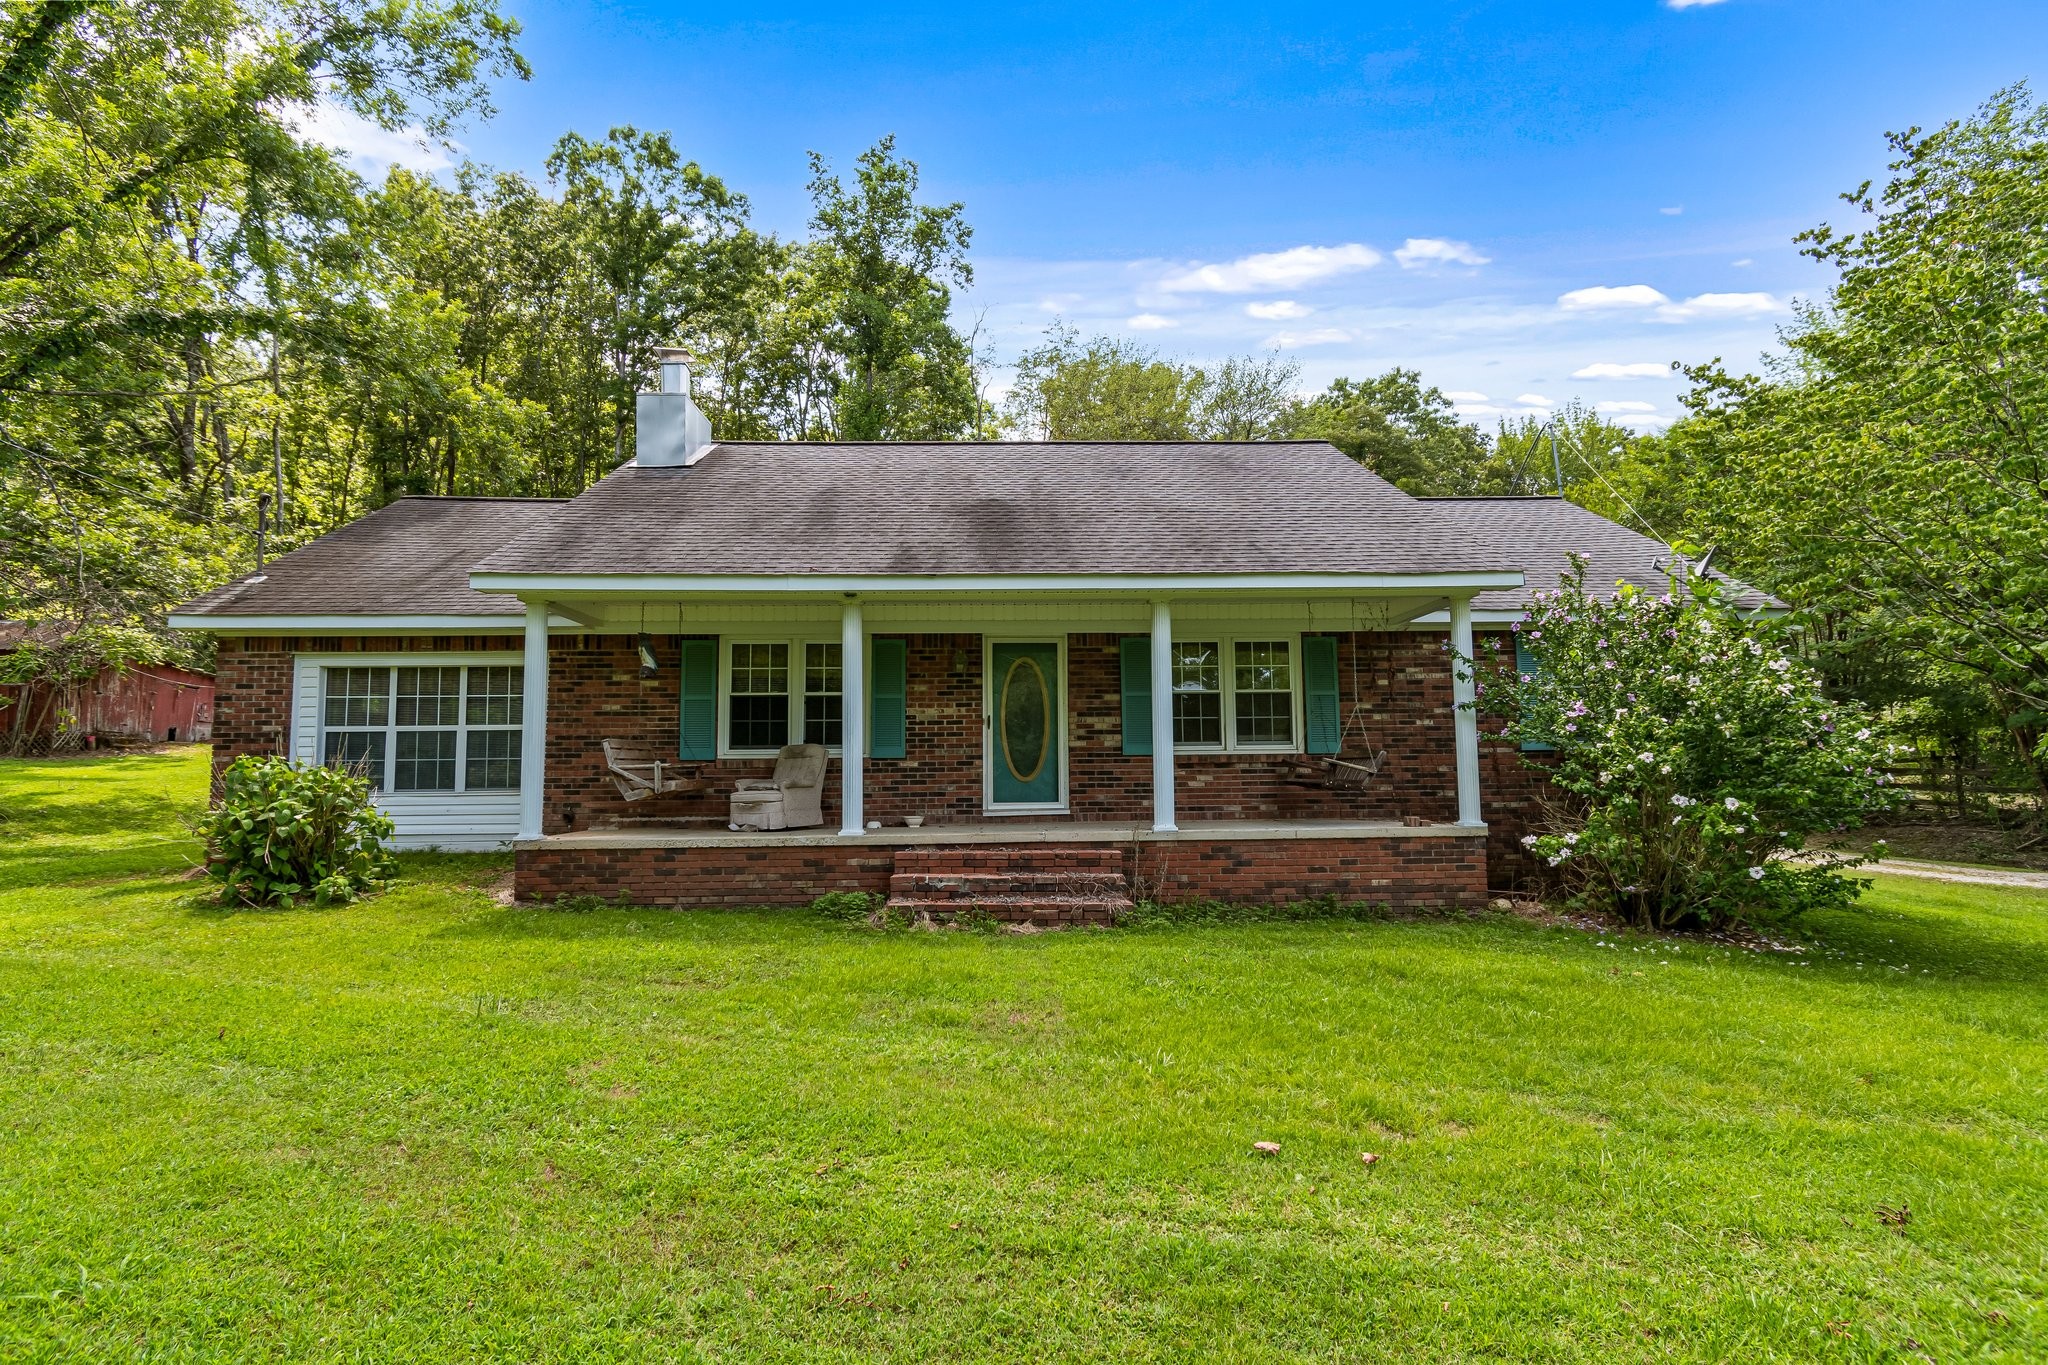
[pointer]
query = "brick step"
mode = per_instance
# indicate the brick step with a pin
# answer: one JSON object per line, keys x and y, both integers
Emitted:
{"x": 1036, "y": 858}
{"x": 1019, "y": 909}
{"x": 981, "y": 886}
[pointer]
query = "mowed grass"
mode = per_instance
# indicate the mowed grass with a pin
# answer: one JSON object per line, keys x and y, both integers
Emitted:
{"x": 431, "y": 1127}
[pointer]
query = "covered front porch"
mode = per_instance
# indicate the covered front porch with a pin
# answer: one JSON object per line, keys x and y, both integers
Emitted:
{"x": 1049, "y": 871}
{"x": 1007, "y": 721}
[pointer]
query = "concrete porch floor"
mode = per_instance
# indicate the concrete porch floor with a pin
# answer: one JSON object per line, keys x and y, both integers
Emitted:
{"x": 1019, "y": 831}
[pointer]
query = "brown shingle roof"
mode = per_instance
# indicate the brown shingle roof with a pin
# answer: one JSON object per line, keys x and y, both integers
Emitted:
{"x": 1541, "y": 534}
{"x": 410, "y": 558}
{"x": 999, "y": 508}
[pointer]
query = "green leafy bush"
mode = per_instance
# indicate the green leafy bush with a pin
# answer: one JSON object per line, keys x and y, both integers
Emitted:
{"x": 1696, "y": 753}
{"x": 849, "y": 907}
{"x": 284, "y": 833}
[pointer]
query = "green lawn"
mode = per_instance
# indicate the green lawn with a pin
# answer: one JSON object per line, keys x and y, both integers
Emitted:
{"x": 432, "y": 1127}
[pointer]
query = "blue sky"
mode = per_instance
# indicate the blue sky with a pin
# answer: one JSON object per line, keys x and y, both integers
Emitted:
{"x": 1525, "y": 201}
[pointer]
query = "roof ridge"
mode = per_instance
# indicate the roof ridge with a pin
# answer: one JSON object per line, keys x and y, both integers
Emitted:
{"x": 475, "y": 497}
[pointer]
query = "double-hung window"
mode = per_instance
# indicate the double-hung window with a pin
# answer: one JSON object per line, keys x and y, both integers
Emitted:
{"x": 1234, "y": 695}
{"x": 781, "y": 692}
{"x": 424, "y": 728}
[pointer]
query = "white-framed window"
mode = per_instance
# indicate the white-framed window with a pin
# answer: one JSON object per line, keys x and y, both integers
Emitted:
{"x": 777, "y": 692}
{"x": 429, "y": 727}
{"x": 1236, "y": 694}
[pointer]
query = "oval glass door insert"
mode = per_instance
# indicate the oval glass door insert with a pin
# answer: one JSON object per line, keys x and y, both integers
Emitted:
{"x": 1026, "y": 712}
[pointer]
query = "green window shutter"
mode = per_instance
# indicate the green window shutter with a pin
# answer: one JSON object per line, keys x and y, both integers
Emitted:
{"x": 1137, "y": 689}
{"x": 888, "y": 690}
{"x": 1525, "y": 662}
{"x": 699, "y": 729}
{"x": 1319, "y": 684}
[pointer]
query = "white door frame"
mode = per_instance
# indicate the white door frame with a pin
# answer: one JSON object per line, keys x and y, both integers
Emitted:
{"x": 989, "y": 804}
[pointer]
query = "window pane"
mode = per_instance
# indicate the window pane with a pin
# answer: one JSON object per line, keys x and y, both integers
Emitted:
{"x": 1197, "y": 666}
{"x": 821, "y": 668}
{"x": 822, "y": 700}
{"x": 358, "y": 696}
{"x": 760, "y": 669}
{"x": 427, "y": 696}
{"x": 757, "y": 722}
{"x": 1262, "y": 666}
{"x": 496, "y": 695}
{"x": 493, "y": 763}
{"x": 1265, "y": 718}
{"x": 1197, "y": 719}
{"x": 822, "y": 719}
{"x": 358, "y": 751}
{"x": 424, "y": 760}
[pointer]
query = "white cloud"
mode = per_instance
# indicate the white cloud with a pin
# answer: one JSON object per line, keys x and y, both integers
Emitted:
{"x": 1279, "y": 310}
{"x": 1611, "y": 296}
{"x": 1150, "y": 322}
{"x": 1723, "y": 306}
{"x": 1607, "y": 369}
{"x": 1534, "y": 400}
{"x": 1465, "y": 396}
{"x": 1673, "y": 211}
{"x": 1603, "y": 297}
{"x": 1742, "y": 264}
{"x": 1624, "y": 405}
{"x": 1320, "y": 336}
{"x": 1287, "y": 269}
{"x": 1689, "y": 4}
{"x": 371, "y": 148}
{"x": 1418, "y": 252}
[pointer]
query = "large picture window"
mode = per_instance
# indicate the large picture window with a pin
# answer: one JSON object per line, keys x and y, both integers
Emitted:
{"x": 1234, "y": 694}
{"x": 781, "y": 692}
{"x": 424, "y": 728}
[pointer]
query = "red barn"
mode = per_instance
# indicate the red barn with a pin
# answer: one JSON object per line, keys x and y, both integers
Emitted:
{"x": 135, "y": 702}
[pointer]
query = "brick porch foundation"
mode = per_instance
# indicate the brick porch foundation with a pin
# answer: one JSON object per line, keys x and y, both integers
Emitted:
{"x": 1422, "y": 868}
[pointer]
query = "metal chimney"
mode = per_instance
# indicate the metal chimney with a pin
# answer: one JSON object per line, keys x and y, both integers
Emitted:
{"x": 669, "y": 428}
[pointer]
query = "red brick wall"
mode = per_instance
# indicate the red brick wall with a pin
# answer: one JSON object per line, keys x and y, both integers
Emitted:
{"x": 1409, "y": 873}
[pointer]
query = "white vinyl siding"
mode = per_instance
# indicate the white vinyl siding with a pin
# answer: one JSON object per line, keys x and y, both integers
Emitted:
{"x": 443, "y": 728}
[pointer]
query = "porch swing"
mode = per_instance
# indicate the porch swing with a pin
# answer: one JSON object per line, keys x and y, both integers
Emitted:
{"x": 1334, "y": 772}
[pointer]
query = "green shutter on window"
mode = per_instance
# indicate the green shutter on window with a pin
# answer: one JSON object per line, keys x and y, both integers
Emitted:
{"x": 1137, "y": 689}
{"x": 699, "y": 728}
{"x": 1319, "y": 687}
{"x": 1525, "y": 662}
{"x": 888, "y": 691}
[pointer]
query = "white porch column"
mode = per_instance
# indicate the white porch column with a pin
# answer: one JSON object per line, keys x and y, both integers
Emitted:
{"x": 533, "y": 742}
{"x": 853, "y": 715}
{"x": 1162, "y": 718}
{"x": 1464, "y": 693}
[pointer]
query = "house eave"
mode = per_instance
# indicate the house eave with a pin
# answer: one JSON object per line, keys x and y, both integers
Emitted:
{"x": 1461, "y": 584}
{"x": 351, "y": 623}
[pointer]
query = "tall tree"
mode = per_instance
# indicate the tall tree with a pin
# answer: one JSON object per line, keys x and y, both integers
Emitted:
{"x": 1403, "y": 430}
{"x": 1896, "y": 463}
{"x": 884, "y": 265}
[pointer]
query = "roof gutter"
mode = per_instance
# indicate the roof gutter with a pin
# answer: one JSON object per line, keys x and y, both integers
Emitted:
{"x": 1332, "y": 584}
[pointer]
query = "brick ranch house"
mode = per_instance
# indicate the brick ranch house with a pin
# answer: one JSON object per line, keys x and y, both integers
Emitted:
{"x": 994, "y": 637}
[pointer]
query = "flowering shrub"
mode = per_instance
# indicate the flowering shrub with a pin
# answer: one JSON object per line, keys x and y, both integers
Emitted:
{"x": 1695, "y": 751}
{"x": 283, "y": 833}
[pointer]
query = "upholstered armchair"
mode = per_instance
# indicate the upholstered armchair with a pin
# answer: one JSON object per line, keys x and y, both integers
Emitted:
{"x": 792, "y": 799}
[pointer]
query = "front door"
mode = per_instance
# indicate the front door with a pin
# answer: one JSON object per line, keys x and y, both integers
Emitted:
{"x": 1024, "y": 724}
